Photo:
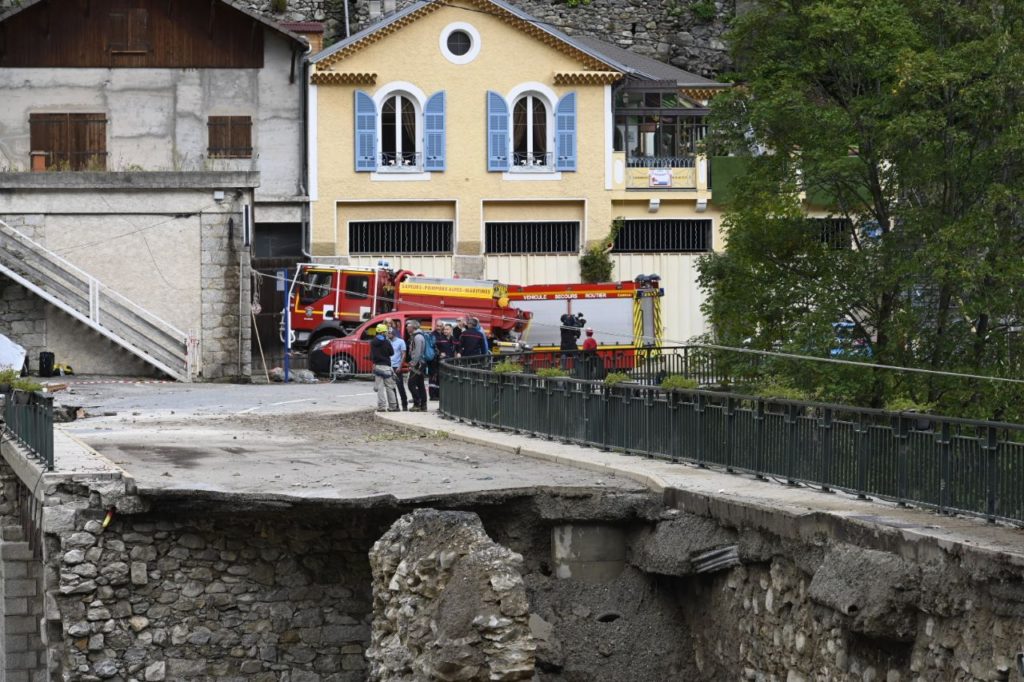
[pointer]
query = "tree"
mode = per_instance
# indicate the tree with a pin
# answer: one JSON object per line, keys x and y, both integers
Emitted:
{"x": 905, "y": 119}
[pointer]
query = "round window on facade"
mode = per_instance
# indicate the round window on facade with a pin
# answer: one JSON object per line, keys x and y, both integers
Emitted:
{"x": 459, "y": 43}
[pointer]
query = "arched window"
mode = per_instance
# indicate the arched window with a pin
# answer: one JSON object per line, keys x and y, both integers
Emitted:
{"x": 530, "y": 132}
{"x": 398, "y": 133}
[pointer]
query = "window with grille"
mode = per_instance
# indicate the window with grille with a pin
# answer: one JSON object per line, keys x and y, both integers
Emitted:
{"x": 230, "y": 137}
{"x": 833, "y": 232}
{"x": 400, "y": 236}
{"x": 70, "y": 141}
{"x": 664, "y": 236}
{"x": 129, "y": 31}
{"x": 551, "y": 237}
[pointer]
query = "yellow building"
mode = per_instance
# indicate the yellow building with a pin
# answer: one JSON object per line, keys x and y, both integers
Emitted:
{"x": 467, "y": 138}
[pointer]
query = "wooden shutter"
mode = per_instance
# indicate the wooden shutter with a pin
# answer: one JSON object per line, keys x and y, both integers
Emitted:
{"x": 230, "y": 137}
{"x": 565, "y": 133}
{"x": 71, "y": 141}
{"x": 434, "y": 137}
{"x": 128, "y": 31}
{"x": 497, "y": 132}
{"x": 366, "y": 132}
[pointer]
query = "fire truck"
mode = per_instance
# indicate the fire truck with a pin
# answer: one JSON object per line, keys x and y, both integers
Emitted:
{"x": 331, "y": 301}
{"x": 622, "y": 314}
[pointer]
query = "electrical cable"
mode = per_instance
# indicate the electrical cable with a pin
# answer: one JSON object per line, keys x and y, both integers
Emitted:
{"x": 735, "y": 349}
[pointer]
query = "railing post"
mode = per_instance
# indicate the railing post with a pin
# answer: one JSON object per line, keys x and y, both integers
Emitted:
{"x": 759, "y": 453}
{"x": 860, "y": 449}
{"x": 791, "y": 438}
{"x": 730, "y": 432}
{"x": 946, "y": 483}
{"x": 991, "y": 462}
{"x": 902, "y": 457}
{"x": 94, "y": 300}
{"x": 825, "y": 429}
{"x": 698, "y": 410}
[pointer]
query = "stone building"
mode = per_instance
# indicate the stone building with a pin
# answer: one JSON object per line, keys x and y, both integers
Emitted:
{"x": 140, "y": 149}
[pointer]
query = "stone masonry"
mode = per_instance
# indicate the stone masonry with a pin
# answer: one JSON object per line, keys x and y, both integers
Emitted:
{"x": 448, "y": 603}
{"x": 688, "y": 34}
{"x": 22, "y": 314}
{"x": 226, "y": 297}
{"x": 22, "y": 591}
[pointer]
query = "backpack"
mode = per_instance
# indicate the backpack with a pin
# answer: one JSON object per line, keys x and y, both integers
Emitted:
{"x": 429, "y": 346}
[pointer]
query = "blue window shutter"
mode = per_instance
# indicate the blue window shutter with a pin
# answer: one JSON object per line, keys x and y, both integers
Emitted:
{"x": 366, "y": 132}
{"x": 497, "y": 132}
{"x": 565, "y": 133}
{"x": 433, "y": 120}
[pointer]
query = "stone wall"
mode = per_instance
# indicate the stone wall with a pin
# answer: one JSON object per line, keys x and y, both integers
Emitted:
{"x": 877, "y": 610}
{"x": 688, "y": 34}
{"x": 226, "y": 294}
{"x": 22, "y": 314}
{"x": 448, "y": 603}
{"x": 157, "y": 597}
{"x": 21, "y": 589}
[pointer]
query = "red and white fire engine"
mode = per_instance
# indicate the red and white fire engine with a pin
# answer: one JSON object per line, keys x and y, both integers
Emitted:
{"x": 332, "y": 301}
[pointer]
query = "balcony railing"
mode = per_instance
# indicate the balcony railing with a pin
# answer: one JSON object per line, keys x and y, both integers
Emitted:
{"x": 401, "y": 161}
{"x": 661, "y": 161}
{"x": 531, "y": 161}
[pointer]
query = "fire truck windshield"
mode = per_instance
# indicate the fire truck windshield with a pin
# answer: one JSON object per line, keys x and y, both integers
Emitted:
{"x": 313, "y": 286}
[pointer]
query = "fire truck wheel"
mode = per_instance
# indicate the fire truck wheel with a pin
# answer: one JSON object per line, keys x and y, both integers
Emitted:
{"x": 343, "y": 366}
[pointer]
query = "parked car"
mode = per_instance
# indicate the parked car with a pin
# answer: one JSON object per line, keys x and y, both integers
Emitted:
{"x": 350, "y": 355}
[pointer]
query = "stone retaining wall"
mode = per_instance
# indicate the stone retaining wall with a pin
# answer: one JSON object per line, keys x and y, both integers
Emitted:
{"x": 688, "y": 34}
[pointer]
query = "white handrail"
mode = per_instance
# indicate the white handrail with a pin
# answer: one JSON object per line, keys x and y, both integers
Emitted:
{"x": 89, "y": 279}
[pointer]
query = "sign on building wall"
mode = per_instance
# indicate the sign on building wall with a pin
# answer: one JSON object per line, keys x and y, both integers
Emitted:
{"x": 659, "y": 177}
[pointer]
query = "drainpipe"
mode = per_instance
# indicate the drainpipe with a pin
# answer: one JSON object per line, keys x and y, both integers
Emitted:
{"x": 347, "y": 32}
{"x": 307, "y": 238}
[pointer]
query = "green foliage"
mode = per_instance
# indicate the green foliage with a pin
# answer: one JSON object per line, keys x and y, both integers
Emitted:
{"x": 13, "y": 378}
{"x": 614, "y": 378}
{"x": 678, "y": 381}
{"x": 596, "y": 264}
{"x": 278, "y": 5}
{"x": 704, "y": 11}
{"x": 507, "y": 367}
{"x": 775, "y": 388}
{"x": 551, "y": 372}
{"x": 577, "y": 3}
{"x": 908, "y": 405}
{"x": 899, "y": 114}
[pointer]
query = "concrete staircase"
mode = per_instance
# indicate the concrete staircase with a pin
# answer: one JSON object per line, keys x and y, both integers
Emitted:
{"x": 95, "y": 305}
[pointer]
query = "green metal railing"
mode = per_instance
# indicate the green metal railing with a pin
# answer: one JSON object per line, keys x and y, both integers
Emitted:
{"x": 948, "y": 464}
{"x": 29, "y": 418}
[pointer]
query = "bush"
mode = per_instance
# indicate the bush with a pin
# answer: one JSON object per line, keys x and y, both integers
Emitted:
{"x": 614, "y": 378}
{"x": 678, "y": 381}
{"x": 596, "y": 264}
{"x": 13, "y": 378}
{"x": 908, "y": 405}
{"x": 508, "y": 367}
{"x": 551, "y": 372}
{"x": 772, "y": 388}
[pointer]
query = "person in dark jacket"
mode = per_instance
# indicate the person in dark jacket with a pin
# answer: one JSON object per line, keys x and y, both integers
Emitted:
{"x": 417, "y": 366}
{"x": 472, "y": 341}
{"x": 381, "y": 351}
{"x": 445, "y": 349}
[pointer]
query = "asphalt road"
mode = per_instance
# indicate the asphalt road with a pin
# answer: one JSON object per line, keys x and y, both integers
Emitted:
{"x": 300, "y": 442}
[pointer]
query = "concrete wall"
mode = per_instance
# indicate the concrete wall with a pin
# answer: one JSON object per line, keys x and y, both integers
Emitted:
{"x": 164, "y": 243}
{"x": 157, "y": 117}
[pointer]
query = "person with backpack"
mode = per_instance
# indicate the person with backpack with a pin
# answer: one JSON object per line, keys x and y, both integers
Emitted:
{"x": 418, "y": 349}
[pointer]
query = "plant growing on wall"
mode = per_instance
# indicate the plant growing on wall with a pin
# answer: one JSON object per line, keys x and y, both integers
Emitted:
{"x": 704, "y": 11}
{"x": 596, "y": 264}
{"x": 278, "y": 5}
